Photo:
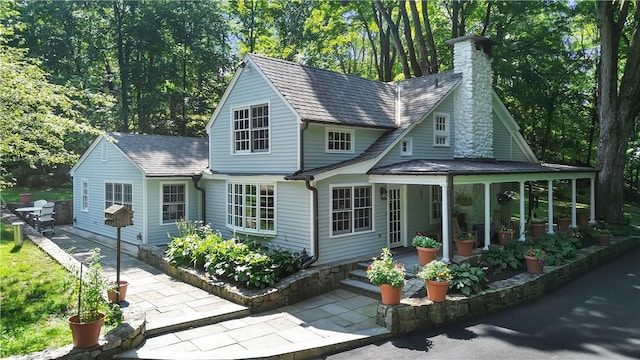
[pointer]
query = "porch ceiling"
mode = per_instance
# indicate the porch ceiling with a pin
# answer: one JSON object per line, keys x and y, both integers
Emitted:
{"x": 474, "y": 167}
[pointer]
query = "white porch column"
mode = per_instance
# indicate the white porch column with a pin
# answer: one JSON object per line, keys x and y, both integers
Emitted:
{"x": 592, "y": 206}
{"x": 550, "y": 206}
{"x": 487, "y": 215}
{"x": 573, "y": 204}
{"x": 446, "y": 218}
{"x": 522, "y": 223}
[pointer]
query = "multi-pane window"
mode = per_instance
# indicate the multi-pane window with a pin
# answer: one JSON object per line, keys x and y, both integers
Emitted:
{"x": 339, "y": 140}
{"x": 406, "y": 147}
{"x": 173, "y": 203}
{"x": 85, "y": 195}
{"x": 251, "y": 129}
{"x": 436, "y": 202}
{"x": 441, "y": 130}
{"x": 118, "y": 193}
{"x": 251, "y": 207}
{"x": 351, "y": 209}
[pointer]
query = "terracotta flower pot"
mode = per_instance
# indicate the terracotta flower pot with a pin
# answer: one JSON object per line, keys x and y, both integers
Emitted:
{"x": 85, "y": 335}
{"x": 538, "y": 229}
{"x": 122, "y": 288}
{"x": 582, "y": 218}
{"x": 25, "y": 198}
{"x": 604, "y": 241}
{"x": 533, "y": 265}
{"x": 390, "y": 295}
{"x": 564, "y": 223}
{"x": 465, "y": 247}
{"x": 504, "y": 237}
{"x": 426, "y": 255}
{"x": 437, "y": 290}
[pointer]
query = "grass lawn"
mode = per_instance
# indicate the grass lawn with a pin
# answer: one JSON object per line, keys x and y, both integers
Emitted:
{"x": 35, "y": 293}
{"x": 53, "y": 194}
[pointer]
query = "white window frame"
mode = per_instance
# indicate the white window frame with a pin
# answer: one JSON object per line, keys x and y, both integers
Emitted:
{"x": 251, "y": 130}
{"x": 436, "y": 203}
{"x": 351, "y": 210}
{"x": 237, "y": 217}
{"x": 184, "y": 203}
{"x": 351, "y": 141}
{"x": 441, "y": 133}
{"x": 122, "y": 201}
{"x": 406, "y": 147}
{"x": 84, "y": 195}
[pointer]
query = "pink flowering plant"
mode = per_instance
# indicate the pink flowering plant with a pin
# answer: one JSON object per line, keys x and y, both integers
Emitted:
{"x": 384, "y": 270}
{"x": 424, "y": 241}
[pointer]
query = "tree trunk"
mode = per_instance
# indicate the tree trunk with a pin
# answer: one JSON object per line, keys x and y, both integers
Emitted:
{"x": 393, "y": 28}
{"x": 417, "y": 71}
{"x": 429, "y": 34}
{"x": 123, "y": 65}
{"x": 425, "y": 66}
{"x": 618, "y": 106}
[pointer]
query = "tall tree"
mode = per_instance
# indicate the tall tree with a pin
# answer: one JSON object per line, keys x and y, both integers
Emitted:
{"x": 618, "y": 99}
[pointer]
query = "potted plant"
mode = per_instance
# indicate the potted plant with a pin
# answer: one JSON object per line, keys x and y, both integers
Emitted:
{"x": 427, "y": 248}
{"x": 505, "y": 234}
{"x": 602, "y": 236}
{"x": 465, "y": 243}
{"x": 87, "y": 323}
{"x": 463, "y": 198}
{"x": 537, "y": 227}
{"x": 117, "y": 293}
{"x": 505, "y": 197}
{"x": 436, "y": 275}
{"x": 389, "y": 276}
{"x": 582, "y": 217}
{"x": 25, "y": 198}
{"x": 564, "y": 219}
{"x": 534, "y": 258}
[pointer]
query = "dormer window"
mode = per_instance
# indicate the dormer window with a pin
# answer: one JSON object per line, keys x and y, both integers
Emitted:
{"x": 441, "y": 129}
{"x": 406, "y": 147}
{"x": 251, "y": 129}
{"x": 339, "y": 140}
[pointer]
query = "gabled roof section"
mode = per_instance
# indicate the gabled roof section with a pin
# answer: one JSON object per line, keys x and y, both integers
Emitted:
{"x": 161, "y": 155}
{"x": 417, "y": 98}
{"x": 324, "y": 96}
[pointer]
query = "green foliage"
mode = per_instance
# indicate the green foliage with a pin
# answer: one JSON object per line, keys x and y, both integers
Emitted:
{"x": 498, "y": 259}
{"x": 384, "y": 270}
{"x": 467, "y": 279}
{"x": 249, "y": 264}
{"x": 424, "y": 241}
{"x": 435, "y": 270}
{"x": 91, "y": 288}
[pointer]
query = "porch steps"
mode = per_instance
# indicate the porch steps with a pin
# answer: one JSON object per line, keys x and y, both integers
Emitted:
{"x": 358, "y": 282}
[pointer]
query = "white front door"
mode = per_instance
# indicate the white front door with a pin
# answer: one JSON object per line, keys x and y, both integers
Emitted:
{"x": 394, "y": 217}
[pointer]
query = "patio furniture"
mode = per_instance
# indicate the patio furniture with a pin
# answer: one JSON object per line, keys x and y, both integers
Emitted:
{"x": 37, "y": 204}
{"x": 45, "y": 219}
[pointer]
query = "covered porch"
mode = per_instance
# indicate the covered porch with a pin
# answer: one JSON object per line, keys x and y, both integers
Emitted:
{"x": 425, "y": 196}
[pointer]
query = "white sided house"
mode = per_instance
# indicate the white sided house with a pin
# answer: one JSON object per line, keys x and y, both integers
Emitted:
{"x": 340, "y": 166}
{"x": 153, "y": 175}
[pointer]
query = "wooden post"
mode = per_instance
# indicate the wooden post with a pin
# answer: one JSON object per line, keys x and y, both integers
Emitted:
{"x": 118, "y": 265}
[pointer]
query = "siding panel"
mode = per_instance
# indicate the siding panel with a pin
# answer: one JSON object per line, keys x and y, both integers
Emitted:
{"x": 315, "y": 145}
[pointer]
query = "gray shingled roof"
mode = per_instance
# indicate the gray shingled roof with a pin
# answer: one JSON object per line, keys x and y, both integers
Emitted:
{"x": 160, "y": 155}
{"x": 472, "y": 167}
{"x": 418, "y": 96}
{"x": 329, "y": 97}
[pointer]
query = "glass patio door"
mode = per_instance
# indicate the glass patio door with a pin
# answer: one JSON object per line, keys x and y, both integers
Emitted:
{"x": 394, "y": 217}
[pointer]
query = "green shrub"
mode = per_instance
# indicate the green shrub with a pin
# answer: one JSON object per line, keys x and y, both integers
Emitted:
{"x": 499, "y": 259}
{"x": 467, "y": 279}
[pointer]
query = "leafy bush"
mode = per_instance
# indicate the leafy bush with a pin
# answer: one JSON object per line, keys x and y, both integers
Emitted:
{"x": 467, "y": 279}
{"x": 498, "y": 259}
{"x": 249, "y": 264}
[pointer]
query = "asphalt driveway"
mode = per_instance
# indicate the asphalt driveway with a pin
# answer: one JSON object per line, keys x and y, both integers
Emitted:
{"x": 594, "y": 317}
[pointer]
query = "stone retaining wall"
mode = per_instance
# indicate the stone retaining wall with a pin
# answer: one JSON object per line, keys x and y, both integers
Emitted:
{"x": 290, "y": 290}
{"x": 421, "y": 314}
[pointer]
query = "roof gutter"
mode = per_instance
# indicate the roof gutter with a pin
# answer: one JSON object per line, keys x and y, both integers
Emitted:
{"x": 314, "y": 209}
{"x": 196, "y": 179}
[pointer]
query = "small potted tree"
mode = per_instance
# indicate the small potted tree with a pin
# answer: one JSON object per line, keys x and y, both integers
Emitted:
{"x": 89, "y": 319}
{"x": 505, "y": 234}
{"x": 427, "y": 248}
{"x": 389, "y": 276}
{"x": 436, "y": 275}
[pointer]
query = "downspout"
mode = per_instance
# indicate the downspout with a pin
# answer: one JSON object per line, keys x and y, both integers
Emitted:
{"x": 314, "y": 207}
{"x": 196, "y": 179}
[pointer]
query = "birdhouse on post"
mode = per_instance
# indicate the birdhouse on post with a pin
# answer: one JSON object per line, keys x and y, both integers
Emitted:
{"x": 118, "y": 216}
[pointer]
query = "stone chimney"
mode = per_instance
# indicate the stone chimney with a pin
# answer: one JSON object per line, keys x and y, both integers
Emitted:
{"x": 473, "y": 120}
